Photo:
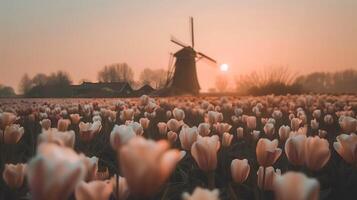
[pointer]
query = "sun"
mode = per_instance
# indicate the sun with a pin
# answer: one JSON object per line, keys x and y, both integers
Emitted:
{"x": 224, "y": 67}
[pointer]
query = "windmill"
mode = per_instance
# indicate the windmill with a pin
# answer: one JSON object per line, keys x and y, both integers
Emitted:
{"x": 182, "y": 76}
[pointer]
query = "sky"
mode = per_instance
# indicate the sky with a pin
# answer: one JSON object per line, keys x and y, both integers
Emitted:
{"x": 82, "y": 36}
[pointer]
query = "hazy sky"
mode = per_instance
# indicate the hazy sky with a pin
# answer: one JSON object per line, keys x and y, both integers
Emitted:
{"x": 80, "y": 37}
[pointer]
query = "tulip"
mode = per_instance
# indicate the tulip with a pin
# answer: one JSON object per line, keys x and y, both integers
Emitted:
{"x": 87, "y": 131}
{"x": 172, "y": 136}
{"x": 112, "y": 116}
{"x": 144, "y": 122}
{"x": 269, "y": 129}
{"x": 255, "y": 134}
{"x": 222, "y": 128}
{"x": 270, "y": 176}
{"x": 54, "y": 172}
{"x": 91, "y": 165}
{"x": 102, "y": 175}
{"x": 277, "y": 114}
{"x": 178, "y": 114}
{"x": 267, "y": 152}
{"x": 137, "y": 128}
{"x": 251, "y": 122}
{"x": 316, "y": 114}
{"x": 121, "y": 135}
{"x": 187, "y": 137}
{"x": 213, "y": 117}
{"x": 204, "y": 151}
{"x": 296, "y": 186}
{"x": 240, "y": 170}
{"x": 348, "y": 124}
{"x": 204, "y": 129}
{"x": 95, "y": 190}
{"x": 75, "y": 118}
{"x": 97, "y": 118}
{"x": 62, "y": 125}
{"x": 127, "y": 114}
{"x": 45, "y": 124}
{"x": 284, "y": 133}
{"x": 346, "y": 147}
{"x": 13, "y": 175}
{"x": 162, "y": 128}
{"x": 66, "y": 138}
{"x": 317, "y": 153}
{"x": 322, "y": 133}
{"x": 295, "y": 124}
{"x": 240, "y": 133}
{"x": 6, "y": 119}
{"x": 168, "y": 114}
{"x": 226, "y": 139}
{"x": 173, "y": 125}
{"x": 328, "y": 119}
{"x": 202, "y": 194}
{"x": 314, "y": 124}
{"x": 295, "y": 149}
{"x": 123, "y": 188}
{"x": 147, "y": 164}
{"x": 12, "y": 134}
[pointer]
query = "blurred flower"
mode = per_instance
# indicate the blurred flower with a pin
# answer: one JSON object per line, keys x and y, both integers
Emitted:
{"x": 346, "y": 147}
{"x": 267, "y": 152}
{"x": 314, "y": 124}
{"x": 102, "y": 175}
{"x": 277, "y": 114}
{"x": 295, "y": 124}
{"x": 137, "y": 128}
{"x": 328, "y": 119}
{"x": 187, "y": 137}
{"x": 97, "y": 118}
{"x": 204, "y": 151}
{"x": 87, "y": 131}
{"x": 6, "y": 119}
{"x": 168, "y": 114}
{"x": 173, "y": 125}
{"x": 227, "y": 139}
{"x": 95, "y": 190}
{"x": 112, "y": 116}
{"x": 45, "y": 124}
{"x": 270, "y": 176}
{"x": 296, "y": 186}
{"x": 12, "y": 134}
{"x": 213, "y": 117}
{"x": 240, "y": 170}
{"x": 240, "y": 133}
{"x": 54, "y": 172}
{"x": 251, "y": 122}
{"x": 295, "y": 149}
{"x": 91, "y": 165}
{"x": 222, "y": 128}
{"x": 121, "y": 135}
{"x": 127, "y": 114}
{"x": 13, "y": 175}
{"x": 179, "y": 114}
{"x": 123, "y": 188}
{"x": 255, "y": 134}
{"x": 172, "y": 136}
{"x": 348, "y": 124}
{"x": 75, "y": 118}
{"x": 147, "y": 164}
{"x": 201, "y": 194}
{"x": 204, "y": 129}
{"x": 317, "y": 153}
{"x": 62, "y": 125}
{"x": 269, "y": 129}
{"x": 322, "y": 133}
{"x": 66, "y": 138}
{"x": 162, "y": 128}
{"x": 316, "y": 114}
{"x": 284, "y": 133}
{"x": 144, "y": 122}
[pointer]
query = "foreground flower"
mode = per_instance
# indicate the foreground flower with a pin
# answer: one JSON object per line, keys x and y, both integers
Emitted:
{"x": 317, "y": 153}
{"x": 95, "y": 190}
{"x": 348, "y": 124}
{"x": 269, "y": 129}
{"x": 13, "y": 175}
{"x": 12, "y": 134}
{"x": 284, "y": 132}
{"x": 179, "y": 114}
{"x": 91, "y": 165}
{"x": 6, "y": 119}
{"x": 173, "y": 125}
{"x": 204, "y": 151}
{"x": 87, "y": 131}
{"x": 296, "y": 186}
{"x": 295, "y": 149}
{"x": 202, "y": 194}
{"x": 54, "y": 172}
{"x": 204, "y": 129}
{"x": 346, "y": 147}
{"x": 62, "y": 125}
{"x": 45, "y": 124}
{"x": 187, "y": 137}
{"x": 66, "y": 138}
{"x": 270, "y": 176}
{"x": 147, "y": 164}
{"x": 267, "y": 152}
{"x": 123, "y": 188}
{"x": 240, "y": 170}
{"x": 121, "y": 135}
{"x": 75, "y": 118}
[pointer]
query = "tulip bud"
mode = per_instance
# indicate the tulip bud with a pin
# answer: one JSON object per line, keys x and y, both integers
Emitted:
{"x": 295, "y": 149}
{"x": 222, "y": 128}
{"x": 66, "y": 138}
{"x": 240, "y": 133}
{"x": 267, "y": 152}
{"x": 6, "y": 119}
{"x": 348, "y": 124}
{"x": 13, "y": 175}
{"x": 87, "y": 131}
{"x": 204, "y": 151}
{"x": 322, "y": 133}
{"x": 127, "y": 114}
{"x": 255, "y": 134}
{"x": 144, "y": 122}
{"x": 121, "y": 135}
{"x": 12, "y": 134}
{"x": 316, "y": 114}
{"x": 251, "y": 122}
{"x": 172, "y": 136}
{"x": 178, "y": 114}
{"x": 204, "y": 129}
{"x": 213, "y": 117}
{"x": 296, "y": 186}
{"x": 75, "y": 118}
{"x": 270, "y": 176}
{"x": 173, "y": 125}
{"x": 317, "y": 153}
{"x": 284, "y": 132}
{"x": 62, "y": 125}
{"x": 146, "y": 165}
{"x": 95, "y": 190}
{"x": 295, "y": 124}
{"x": 162, "y": 128}
{"x": 314, "y": 124}
{"x": 346, "y": 147}
{"x": 226, "y": 139}
{"x": 123, "y": 188}
{"x": 328, "y": 119}
{"x": 269, "y": 129}
{"x": 240, "y": 170}
{"x": 45, "y": 124}
{"x": 137, "y": 128}
{"x": 187, "y": 137}
{"x": 200, "y": 194}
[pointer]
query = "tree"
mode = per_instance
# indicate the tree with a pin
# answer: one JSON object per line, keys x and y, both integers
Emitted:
{"x": 119, "y": 72}
{"x": 221, "y": 83}
{"x": 25, "y": 84}
{"x": 59, "y": 78}
{"x": 156, "y": 78}
{"x": 6, "y": 91}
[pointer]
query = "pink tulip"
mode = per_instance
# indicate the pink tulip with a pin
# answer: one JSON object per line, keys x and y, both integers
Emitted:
{"x": 12, "y": 134}
{"x": 45, "y": 124}
{"x": 75, "y": 118}
{"x": 172, "y": 136}
{"x": 226, "y": 139}
{"x": 348, "y": 124}
{"x": 87, "y": 131}
{"x": 13, "y": 175}
{"x": 121, "y": 135}
{"x": 269, "y": 129}
{"x": 295, "y": 124}
{"x": 202, "y": 194}
{"x": 346, "y": 147}
{"x": 62, "y": 125}
{"x": 222, "y": 128}
{"x": 187, "y": 137}
{"x": 240, "y": 133}
{"x": 123, "y": 188}
{"x": 66, "y": 138}
{"x": 284, "y": 133}
{"x": 127, "y": 114}
{"x": 267, "y": 152}
{"x": 251, "y": 122}
{"x": 174, "y": 125}
{"x": 204, "y": 129}
{"x": 270, "y": 176}
{"x": 295, "y": 149}
{"x": 317, "y": 153}
{"x": 144, "y": 122}
{"x": 95, "y": 190}
{"x": 204, "y": 151}
{"x": 240, "y": 170}
{"x": 178, "y": 114}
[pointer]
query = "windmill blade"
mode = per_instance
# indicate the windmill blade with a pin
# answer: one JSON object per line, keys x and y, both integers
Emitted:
{"x": 207, "y": 57}
{"x": 176, "y": 41}
{"x": 192, "y": 33}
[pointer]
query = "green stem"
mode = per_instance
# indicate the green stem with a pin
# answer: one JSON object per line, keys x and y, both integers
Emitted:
{"x": 210, "y": 179}
{"x": 165, "y": 193}
{"x": 263, "y": 185}
{"x": 232, "y": 193}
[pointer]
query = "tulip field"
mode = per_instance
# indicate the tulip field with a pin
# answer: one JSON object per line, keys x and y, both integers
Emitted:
{"x": 293, "y": 147}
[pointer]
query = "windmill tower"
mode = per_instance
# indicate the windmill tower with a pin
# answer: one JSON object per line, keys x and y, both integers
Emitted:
{"x": 182, "y": 76}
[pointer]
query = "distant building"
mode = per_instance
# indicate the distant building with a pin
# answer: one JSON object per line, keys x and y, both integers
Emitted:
{"x": 146, "y": 89}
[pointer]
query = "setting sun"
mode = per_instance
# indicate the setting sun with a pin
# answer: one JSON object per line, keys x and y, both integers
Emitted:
{"x": 224, "y": 67}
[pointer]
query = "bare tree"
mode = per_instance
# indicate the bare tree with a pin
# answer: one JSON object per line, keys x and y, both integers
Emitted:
{"x": 119, "y": 72}
{"x": 156, "y": 78}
